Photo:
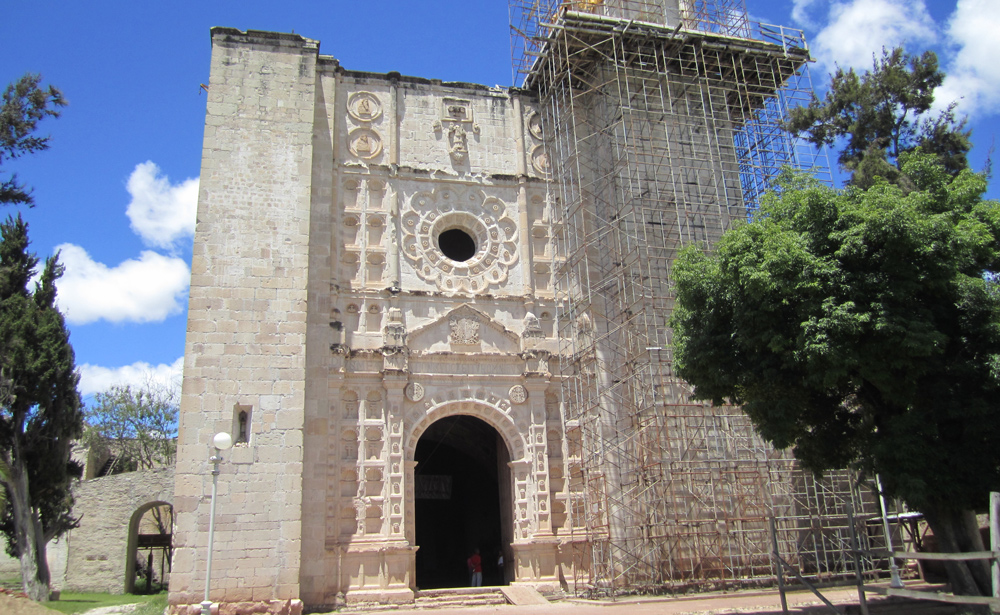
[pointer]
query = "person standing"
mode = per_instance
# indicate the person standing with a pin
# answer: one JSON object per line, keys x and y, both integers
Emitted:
{"x": 475, "y": 564}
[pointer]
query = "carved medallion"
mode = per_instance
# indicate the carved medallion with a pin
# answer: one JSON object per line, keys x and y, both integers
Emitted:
{"x": 414, "y": 391}
{"x": 540, "y": 160}
{"x": 535, "y": 126}
{"x": 518, "y": 394}
{"x": 364, "y": 143}
{"x": 464, "y": 330}
{"x": 364, "y": 106}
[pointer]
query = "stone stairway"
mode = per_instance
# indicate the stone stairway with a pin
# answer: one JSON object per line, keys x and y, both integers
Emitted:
{"x": 459, "y": 596}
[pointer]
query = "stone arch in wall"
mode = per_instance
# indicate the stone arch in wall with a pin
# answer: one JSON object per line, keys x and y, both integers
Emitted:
{"x": 100, "y": 549}
{"x": 492, "y": 415}
{"x": 460, "y": 468}
{"x": 135, "y": 542}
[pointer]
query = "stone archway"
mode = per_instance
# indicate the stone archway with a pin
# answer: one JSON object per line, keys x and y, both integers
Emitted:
{"x": 150, "y": 534}
{"x": 462, "y": 501}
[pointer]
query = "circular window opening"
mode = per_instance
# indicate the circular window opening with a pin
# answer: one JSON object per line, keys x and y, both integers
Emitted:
{"x": 457, "y": 245}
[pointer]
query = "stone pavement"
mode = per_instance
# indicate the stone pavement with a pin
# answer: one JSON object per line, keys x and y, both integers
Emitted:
{"x": 765, "y": 602}
{"x": 757, "y": 602}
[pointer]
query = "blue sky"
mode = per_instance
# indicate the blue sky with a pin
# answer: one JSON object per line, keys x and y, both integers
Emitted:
{"x": 116, "y": 192}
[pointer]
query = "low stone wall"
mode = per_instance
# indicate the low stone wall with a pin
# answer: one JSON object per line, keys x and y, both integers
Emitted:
{"x": 97, "y": 551}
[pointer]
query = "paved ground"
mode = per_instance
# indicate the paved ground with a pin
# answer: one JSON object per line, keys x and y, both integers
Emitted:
{"x": 759, "y": 603}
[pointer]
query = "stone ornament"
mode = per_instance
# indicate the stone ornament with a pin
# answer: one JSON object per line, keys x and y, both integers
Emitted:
{"x": 535, "y": 129}
{"x": 482, "y": 217}
{"x": 457, "y": 120}
{"x": 540, "y": 160}
{"x": 518, "y": 394}
{"x": 414, "y": 391}
{"x": 464, "y": 330}
{"x": 364, "y": 143}
{"x": 364, "y": 106}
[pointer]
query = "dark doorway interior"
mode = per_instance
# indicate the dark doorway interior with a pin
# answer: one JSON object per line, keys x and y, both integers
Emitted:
{"x": 457, "y": 500}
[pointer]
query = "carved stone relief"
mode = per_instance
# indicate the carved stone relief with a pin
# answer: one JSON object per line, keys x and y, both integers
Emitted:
{"x": 364, "y": 106}
{"x": 364, "y": 141}
{"x": 518, "y": 394}
{"x": 414, "y": 391}
{"x": 484, "y": 218}
{"x": 457, "y": 121}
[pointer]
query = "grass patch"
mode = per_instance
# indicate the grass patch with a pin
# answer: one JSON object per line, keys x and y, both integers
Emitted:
{"x": 156, "y": 605}
{"x": 71, "y": 603}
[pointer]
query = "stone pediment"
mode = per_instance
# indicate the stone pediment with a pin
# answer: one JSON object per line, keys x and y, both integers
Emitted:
{"x": 464, "y": 329}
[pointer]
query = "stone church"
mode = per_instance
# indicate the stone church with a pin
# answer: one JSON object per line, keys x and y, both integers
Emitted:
{"x": 374, "y": 318}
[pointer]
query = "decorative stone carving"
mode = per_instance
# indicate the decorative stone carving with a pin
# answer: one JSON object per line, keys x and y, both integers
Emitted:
{"x": 364, "y": 143}
{"x": 414, "y": 391}
{"x": 484, "y": 218}
{"x": 364, "y": 106}
{"x": 457, "y": 120}
{"x": 540, "y": 160}
{"x": 518, "y": 394}
{"x": 464, "y": 330}
{"x": 535, "y": 126}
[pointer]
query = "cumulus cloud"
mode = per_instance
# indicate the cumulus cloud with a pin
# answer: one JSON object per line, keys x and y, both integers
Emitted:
{"x": 802, "y": 12}
{"x": 95, "y": 379}
{"x": 857, "y": 29}
{"x": 147, "y": 289}
{"x": 974, "y": 72}
{"x": 161, "y": 213}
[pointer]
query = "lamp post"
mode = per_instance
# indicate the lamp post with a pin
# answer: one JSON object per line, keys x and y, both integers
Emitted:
{"x": 222, "y": 442}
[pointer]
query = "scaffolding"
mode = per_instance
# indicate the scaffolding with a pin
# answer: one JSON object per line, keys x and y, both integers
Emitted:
{"x": 663, "y": 123}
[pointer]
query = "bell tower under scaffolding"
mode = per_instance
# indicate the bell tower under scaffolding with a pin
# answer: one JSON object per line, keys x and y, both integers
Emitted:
{"x": 662, "y": 120}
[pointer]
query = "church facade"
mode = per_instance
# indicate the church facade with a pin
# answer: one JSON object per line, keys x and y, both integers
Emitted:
{"x": 372, "y": 273}
{"x": 381, "y": 317}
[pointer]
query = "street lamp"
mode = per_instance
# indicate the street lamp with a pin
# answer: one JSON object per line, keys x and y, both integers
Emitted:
{"x": 222, "y": 442}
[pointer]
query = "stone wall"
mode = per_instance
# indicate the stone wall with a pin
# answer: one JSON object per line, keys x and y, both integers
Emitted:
{"x": 246, "y": 338}
{"x": 109, "y": 509}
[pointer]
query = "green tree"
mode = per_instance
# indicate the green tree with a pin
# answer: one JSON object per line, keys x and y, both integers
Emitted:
{"x": 862, "y": 328}
{"x": 25, "y": 103}
{"x": 135, "y": 427}
{"x": 882, "y": 114}
{"x": 40, "y": 410}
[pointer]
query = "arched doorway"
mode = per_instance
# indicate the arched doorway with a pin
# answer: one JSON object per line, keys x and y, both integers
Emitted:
{"x": 462, "y": 501}
{"x": 147, "y": 569}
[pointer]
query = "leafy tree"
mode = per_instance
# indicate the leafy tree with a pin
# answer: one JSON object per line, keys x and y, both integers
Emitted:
{"x": 883, "y": 114}
{"x": 860, "y": 327}
{"x": 134, "y": 426}
{"x": 40, "y": 413}
{"x": 24, "y": 104}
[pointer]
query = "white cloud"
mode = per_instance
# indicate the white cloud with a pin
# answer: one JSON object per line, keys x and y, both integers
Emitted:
{"x": 145, "y": 290}
{"x": 95, "y": 379}
{"x": 857, "y": 29}
{"x": 801, "y": 10}
{"x": 974, "y": 72}
{"x": 161, "y": 213}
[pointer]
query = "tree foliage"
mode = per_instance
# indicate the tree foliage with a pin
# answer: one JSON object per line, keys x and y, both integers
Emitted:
{"x": 882, "y": 114}
{"x": 40, "y": 410}
{"x": 25, "y": 103}
{"x": 135, "y": 427}
{"x": 860, "y": 327}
